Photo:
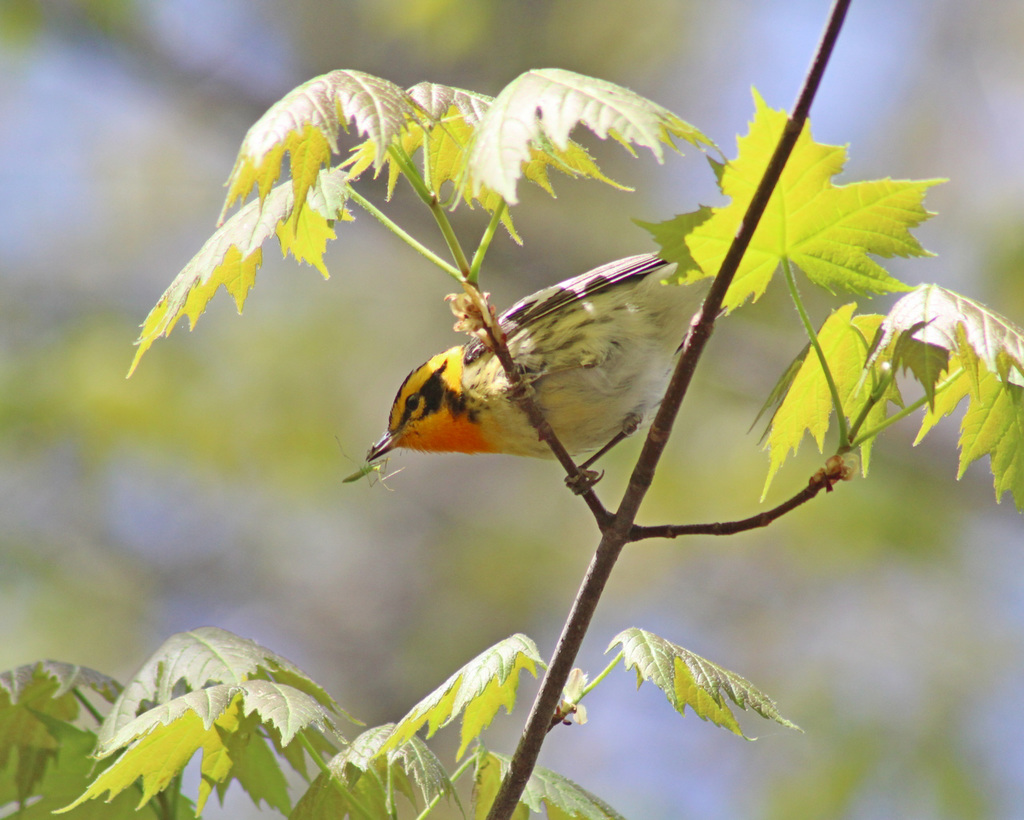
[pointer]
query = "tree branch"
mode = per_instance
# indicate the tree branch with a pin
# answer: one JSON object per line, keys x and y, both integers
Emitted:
{"x": 824, "y": 479}
{"x": 616, "y": 534}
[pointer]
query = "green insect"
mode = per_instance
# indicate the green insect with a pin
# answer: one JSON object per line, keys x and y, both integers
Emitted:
{"x": 377, "y": 467}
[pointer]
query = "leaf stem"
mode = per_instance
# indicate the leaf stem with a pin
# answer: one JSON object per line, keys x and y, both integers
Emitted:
{"x": 876, "y": 395}
{"x": 325, "y": 769}
{"x": 389, "y": 790}
{"x": 906, "y": 411}
{"x": 600, "y": 677}
{"x": 414, "y": 243}
{"x": 411, "y": 173}
{"x": 321, "y": 764}
{"x": 461, "y": 770}
{"x": 485, "y": 243}
{"x": 82, "y": 699}
{"x": 812, "y": 335}
{"x": 430, "y": 199}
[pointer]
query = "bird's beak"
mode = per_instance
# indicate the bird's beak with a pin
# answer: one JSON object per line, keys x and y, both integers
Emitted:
{"x": 382, "y": 447}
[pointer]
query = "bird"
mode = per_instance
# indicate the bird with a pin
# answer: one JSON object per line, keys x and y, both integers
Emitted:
{"x": 598, "y": 350}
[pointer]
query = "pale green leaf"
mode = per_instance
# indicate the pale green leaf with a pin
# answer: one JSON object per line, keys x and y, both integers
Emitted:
{"x": 161, "y": 753}
{"x": 476, "y": 691}
{"x": 424, "y": 768}
{"x": 436, "y": 101}
{"x": 446, "y": 131}
{"x": 33, "y": 700}
{"x": 307, "y": 122}
{"x": 957, "y": 347}
{"x": 210, "y": 691}
{"x": 66, "y": 676}
{"x": 690, "y": 680}
{"x": 541, "y": 108}
{"x": 233, "y": 254}
{"x": 199, "y": 659}
{"x": 934, "y": 316}
{"x": 255, "y": 766}
{"x": 807, "y": 405}
{"x": 284, "y": 707}
{"x": 450, "y": 116}
{"x": 329, "y": 195}
{"x": 994, "y": 426}
{"x": 66, "y": 777}
{"x": 208, "y": 704}
{"x": 161, "y": 741}
{"x": 360, "y": 778}
{"x": 828, "y": 231}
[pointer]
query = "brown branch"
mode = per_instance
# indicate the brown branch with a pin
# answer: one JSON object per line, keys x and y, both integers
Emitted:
{"x": 616, "y": 534}
{"x": 824, "y": 479}
{"x": 523, "y": 394}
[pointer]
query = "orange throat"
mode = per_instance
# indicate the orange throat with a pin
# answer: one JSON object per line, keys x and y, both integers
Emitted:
{"x": 446, "y": 432}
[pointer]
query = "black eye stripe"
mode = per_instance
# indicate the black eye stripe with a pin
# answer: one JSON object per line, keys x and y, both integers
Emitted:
{"x": 432, "y": 392}
{"x": 428, "y": 397}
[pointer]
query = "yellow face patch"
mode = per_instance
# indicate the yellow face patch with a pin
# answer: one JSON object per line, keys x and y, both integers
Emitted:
{"x": 430, "y": 412}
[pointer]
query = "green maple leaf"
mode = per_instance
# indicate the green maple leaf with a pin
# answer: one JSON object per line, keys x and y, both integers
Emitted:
{"x": 689, "y": 680}
{"x": 163, "y": 750}
{"x": 37, "y": 701}
{"x": 476, "y": 691}
{"x": 361, "y": 778}
{"x": 828, "y": 231}
{"x": 69, "y": 773}
{"x": 953, "y": 346}
{"x": 210, "y": 692}
{"x": 475, "y": 145}
{"x": 233, "y": 254}
{"x": 197, "y": 659}
{"x": 221, "y": 721}
{"x": 807, "y": 405}
{"x": 958, "y": 348}
{"x": 546, "y": 791}
{"x": 446, "y": 132}
{"x": 307, "y": 122}
{"x": 443, "y": 131}
{"x": 539, "y": 109}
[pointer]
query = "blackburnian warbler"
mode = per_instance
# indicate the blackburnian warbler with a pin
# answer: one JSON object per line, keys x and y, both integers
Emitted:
{"x": 597, "y": 349}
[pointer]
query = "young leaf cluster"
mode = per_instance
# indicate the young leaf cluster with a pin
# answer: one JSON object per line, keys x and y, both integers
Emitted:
{"x": 210, "y": 692}
{"x": 952, "y": 346}
{"x": 689, "y": 680}
{"x": 44, "y": 755}
{"x": 247, "y": 711}
{"x": 474, "y": 147}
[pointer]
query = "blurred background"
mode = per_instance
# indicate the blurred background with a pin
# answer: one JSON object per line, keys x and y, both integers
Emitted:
{"x": 886, "y": 618}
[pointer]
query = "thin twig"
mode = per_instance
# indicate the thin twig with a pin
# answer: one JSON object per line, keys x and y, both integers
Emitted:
{"x": 615, "y": 535}
{"x": 523, "y": 394}
{"x": 818, "y": 482}
{"x": 812, "y": 335}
